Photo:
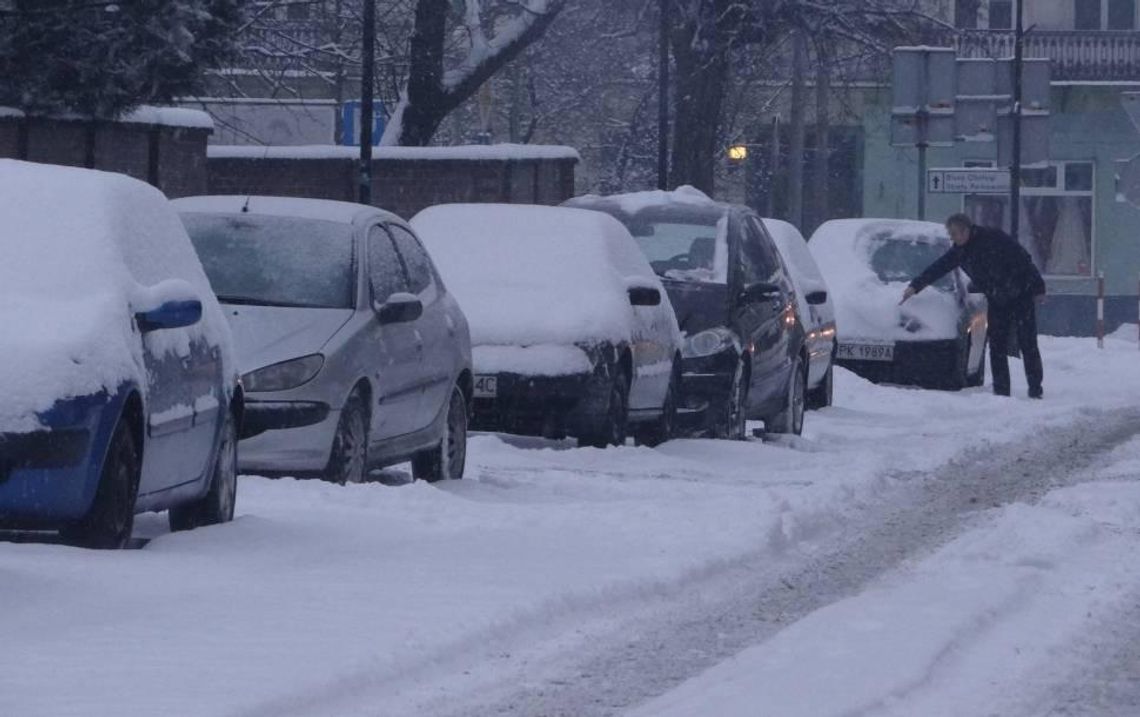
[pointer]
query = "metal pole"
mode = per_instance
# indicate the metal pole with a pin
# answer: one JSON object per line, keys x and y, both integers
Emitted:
{"x": 663, "y": 97}
{"x": 1100, "y": 310}
{"x": 367, "y": 83}
{"x": 920, "y": 120}
{"x": 1015, "y": 161}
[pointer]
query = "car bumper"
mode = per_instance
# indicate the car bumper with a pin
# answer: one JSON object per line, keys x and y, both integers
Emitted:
{"x": 47, "y": 477}
{"x": 551, "y": 406}
{"x": 708, "y": 379}
{"x": 921, "y": 363}
{"x": 286, "y": 437}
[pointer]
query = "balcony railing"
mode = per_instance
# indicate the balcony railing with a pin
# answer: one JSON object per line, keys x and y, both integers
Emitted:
{"x": 1077, "y": 55}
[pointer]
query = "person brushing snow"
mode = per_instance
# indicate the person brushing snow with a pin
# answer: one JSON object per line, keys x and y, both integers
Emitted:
{"x": 1002, "y": 270}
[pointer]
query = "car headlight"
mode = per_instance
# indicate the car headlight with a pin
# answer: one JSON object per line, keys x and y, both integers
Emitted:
{"x": 708, "y": 343}
{"x": 283, "y": 376}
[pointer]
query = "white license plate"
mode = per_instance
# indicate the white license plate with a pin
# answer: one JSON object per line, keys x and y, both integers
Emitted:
{"x": 867, "y": 352}
{"x": 486, "y": 386}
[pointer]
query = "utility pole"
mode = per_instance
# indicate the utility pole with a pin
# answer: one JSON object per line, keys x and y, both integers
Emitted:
{"x": 663, "y": 96}
{"x": 367, "y": 84}
{"x": 1015, "y": 163}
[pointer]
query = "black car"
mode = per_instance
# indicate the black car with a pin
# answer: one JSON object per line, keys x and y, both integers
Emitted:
{"x": 744, "y": 353}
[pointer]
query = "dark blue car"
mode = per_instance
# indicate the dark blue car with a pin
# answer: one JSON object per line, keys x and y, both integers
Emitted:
{"x": 120, "y": 394}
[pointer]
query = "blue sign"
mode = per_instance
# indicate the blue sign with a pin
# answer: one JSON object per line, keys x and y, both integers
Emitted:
{"x": 350, "y": 116}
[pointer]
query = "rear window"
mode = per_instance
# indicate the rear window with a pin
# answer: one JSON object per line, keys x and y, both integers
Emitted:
{"x": 899, "y": 259}
{"x": 275, "y": 261}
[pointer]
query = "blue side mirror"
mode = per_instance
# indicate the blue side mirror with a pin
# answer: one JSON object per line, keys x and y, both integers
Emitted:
{"x": 170, "y": 315}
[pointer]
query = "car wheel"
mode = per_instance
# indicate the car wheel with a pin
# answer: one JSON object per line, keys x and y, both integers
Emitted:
{"x": 661, "y": 430}
{"x": 217, "y": 506}
{"x": 611, "y": 430}
{"x": 822, "y": 395}
{"x": 111, "y": 518}
{"x": 349, "y": 460}
{"x": 791, "y": 419}
{"x": 447, "y": 460}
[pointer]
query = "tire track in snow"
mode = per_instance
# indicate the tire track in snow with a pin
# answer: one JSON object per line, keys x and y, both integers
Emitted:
{"x": 708, "y": 621}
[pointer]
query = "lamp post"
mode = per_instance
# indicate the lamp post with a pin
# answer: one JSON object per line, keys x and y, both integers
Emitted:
{"x": 368, "y": 61}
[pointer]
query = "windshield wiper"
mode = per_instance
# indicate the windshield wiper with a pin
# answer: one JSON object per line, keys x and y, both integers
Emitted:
{"x": 250, "y": 301}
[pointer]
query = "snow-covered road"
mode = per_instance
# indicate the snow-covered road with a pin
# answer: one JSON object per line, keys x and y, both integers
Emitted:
{"x": 885, "y": 563}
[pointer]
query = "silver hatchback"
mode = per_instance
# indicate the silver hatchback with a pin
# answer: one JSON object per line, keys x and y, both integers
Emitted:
{"x": 354, "y": 355}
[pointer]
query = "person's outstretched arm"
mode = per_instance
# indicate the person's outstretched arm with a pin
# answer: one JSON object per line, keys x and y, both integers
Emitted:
{"x": 945, "y": 264}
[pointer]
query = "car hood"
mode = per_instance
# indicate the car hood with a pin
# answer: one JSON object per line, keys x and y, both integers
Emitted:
{"x": 265, "y": 335}
{"x": 871, "y": 310}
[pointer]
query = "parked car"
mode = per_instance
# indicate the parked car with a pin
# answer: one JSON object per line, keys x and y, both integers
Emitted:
{"x": 814, "y": 307}
{"x": 572, "y": 332}
{"x": 354, "y": 353}
{"x": 936, "y": 339}
{"x": 120, "y": 394}
{"x": 744, "y": 353}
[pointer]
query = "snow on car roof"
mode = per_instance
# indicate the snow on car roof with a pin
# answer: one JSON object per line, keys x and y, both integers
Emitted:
{"x": 680, "y": 199}
{"x": 81, "y": 250}
{"x": 529, "y": 275}
{"x": 461, "y": 153}
{"x": 296, "y": 207}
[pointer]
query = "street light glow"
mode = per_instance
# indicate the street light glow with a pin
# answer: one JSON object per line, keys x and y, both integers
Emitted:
{"x": 738, "y": 152}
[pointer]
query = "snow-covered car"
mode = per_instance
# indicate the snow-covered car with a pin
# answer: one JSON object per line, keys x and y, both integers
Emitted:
{"x": 120, "y": 394}
{"x": 814, "y": 308}
{"x": 936, "y": 339}
{"x": 744, "y": 351}
{"x": 354, "y": 354}
{"x": 572, "y": 332}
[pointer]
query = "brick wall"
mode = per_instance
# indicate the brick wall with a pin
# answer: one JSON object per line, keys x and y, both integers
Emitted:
{"x": 171, "y": 158}
{"x": 402, "y": 186}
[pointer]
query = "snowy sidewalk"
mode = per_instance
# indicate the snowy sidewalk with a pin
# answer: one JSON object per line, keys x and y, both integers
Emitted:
{"x": 328, "y": 600}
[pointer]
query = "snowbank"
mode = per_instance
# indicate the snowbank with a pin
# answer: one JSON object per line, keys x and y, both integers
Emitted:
{"x": 866, "y": 307}
{"x": 79, "y": 246}
{"x": 499, "y": 152}
{"x": 528, "y": 275}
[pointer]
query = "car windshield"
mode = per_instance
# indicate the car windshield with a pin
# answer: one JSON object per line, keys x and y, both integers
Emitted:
{"x": 275, "y": 261}
{"x": 683, "y": 251}
{"x": 900, "y": 259}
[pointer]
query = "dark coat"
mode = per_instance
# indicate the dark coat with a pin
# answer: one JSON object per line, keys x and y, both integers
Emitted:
{"x": 997, "y": 265}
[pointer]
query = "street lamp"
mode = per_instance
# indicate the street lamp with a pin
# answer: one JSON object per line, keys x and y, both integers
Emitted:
{"x": 738, "y": 152}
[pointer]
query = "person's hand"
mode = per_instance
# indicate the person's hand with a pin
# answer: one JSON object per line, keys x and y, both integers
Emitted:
{"x": 907, "y": 294}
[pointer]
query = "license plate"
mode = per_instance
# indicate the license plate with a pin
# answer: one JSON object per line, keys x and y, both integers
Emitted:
{"x": 867, "y": 352}
{"x": 486, "y": 386}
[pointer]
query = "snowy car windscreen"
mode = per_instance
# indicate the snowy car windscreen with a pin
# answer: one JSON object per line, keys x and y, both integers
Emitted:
{"x": 899, "y": 259}
{"x": 681, "y": 251}
{"x": 275, "y": 261}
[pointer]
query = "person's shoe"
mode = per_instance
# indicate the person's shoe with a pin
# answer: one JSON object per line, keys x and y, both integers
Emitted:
{"x": 1037, "y": 393}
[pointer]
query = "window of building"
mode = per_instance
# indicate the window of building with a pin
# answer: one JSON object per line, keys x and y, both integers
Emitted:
{"x": 1001, "y": 14}
{"x": 1121, "y": 14}
{"x": 1086, "y": 14}
{"x": 966, "y": 13}
{"x": 1056, "y": 222}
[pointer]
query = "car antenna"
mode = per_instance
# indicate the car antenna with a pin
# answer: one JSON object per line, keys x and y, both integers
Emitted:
{"x": 249, "y": 197}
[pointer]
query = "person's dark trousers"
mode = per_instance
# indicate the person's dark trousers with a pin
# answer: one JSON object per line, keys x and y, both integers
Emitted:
{"x": 1019, "y": 316}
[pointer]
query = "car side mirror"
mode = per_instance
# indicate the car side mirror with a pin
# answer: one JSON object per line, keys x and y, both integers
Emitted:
{"x": 400, "y": 308}
{"x": 175, "y": 314}
{"x": 760, "y": 291}
{"x": 815, "y": 298}
{"x": 644, "y": 296}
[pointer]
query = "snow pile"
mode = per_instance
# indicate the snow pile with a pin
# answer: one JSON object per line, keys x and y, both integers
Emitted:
{"x": 170, "y": 117}
{"x": 465, "y": 153}
{"x": 634, "y": 202}
{"x": 79, "y": 247}
{"x": 528, "y": 275}
{"x": 867, "y": 307}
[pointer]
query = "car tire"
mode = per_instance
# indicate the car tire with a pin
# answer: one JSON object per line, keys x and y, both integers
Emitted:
{"x": 790, "y": 421}
{"x": 448, "y": 460}
{"x": 822, "y": 395}
{"x": 656, "y": 432}
{"x": 348, "y": 462}
{"x": 217, "y": 506}
{"x": 612, "y": 427}
{"x": 111, "y": 517}
{"x": 731, "y": 420}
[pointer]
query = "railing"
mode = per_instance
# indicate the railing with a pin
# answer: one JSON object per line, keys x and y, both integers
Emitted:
{"x": 1077, "y": 55}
